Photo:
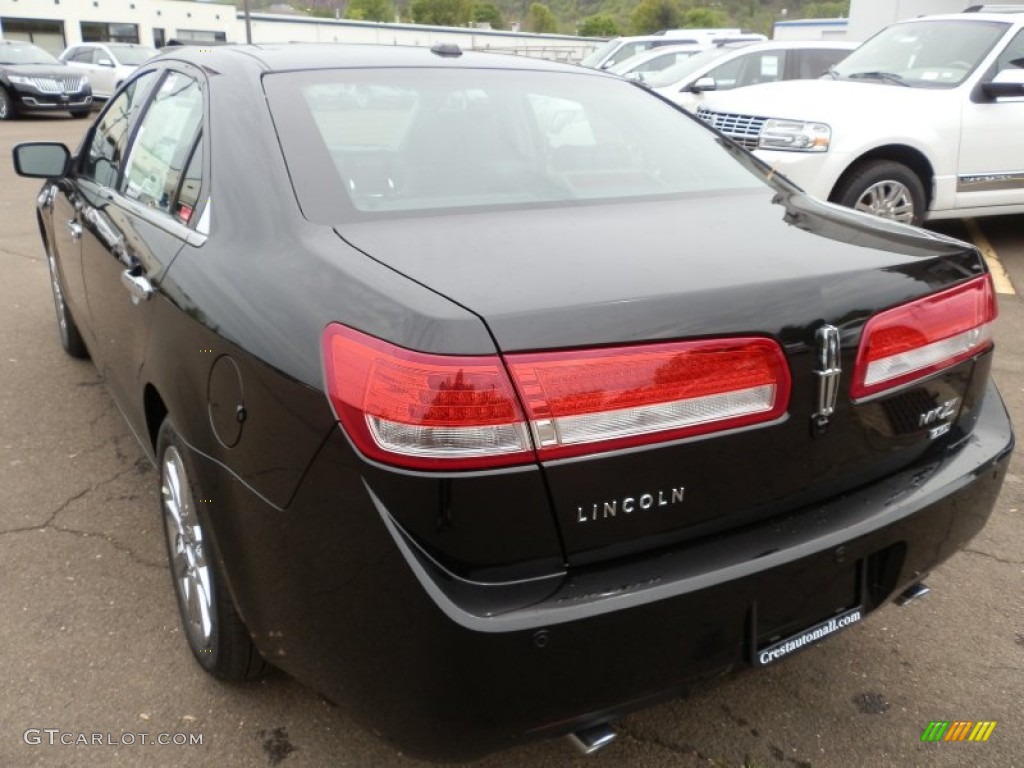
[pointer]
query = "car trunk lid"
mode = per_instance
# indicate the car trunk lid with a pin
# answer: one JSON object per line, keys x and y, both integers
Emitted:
{"x": 605, "y": 275}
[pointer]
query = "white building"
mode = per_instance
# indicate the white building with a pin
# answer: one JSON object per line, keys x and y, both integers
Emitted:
{"x": 811, "y": 29}
{"x": 869, "y": 16}
{"x": 866, "y": 18}
{"x": 56, "y": 24}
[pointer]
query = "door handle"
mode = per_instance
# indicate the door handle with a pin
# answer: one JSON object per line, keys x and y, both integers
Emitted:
{"x": 74, "y": 228}
{"x": 138, "y": 286}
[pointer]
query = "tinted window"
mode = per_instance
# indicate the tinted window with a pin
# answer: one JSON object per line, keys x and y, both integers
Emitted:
{"x": 765, "y": 67}
{"x": 163, "y": 142}
{"x": 665, "y": 60}
{"x": 411, "y": 140}
{"x": 813, "y": 63}
{"x": 188, "y": 196}
{"x": 628, "y": 50}
{"x": 1013, "y": 56}
{"x": 102, "y": 161}
{"x": 727, "y": 75}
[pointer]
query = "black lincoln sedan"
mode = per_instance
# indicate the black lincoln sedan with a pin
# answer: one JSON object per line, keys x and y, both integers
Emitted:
{"x": 31, "y": 80}
{"x": 510, "y": 398}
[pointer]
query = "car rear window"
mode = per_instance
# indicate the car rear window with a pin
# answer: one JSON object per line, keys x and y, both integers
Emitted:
{"x": 362, "y": 143}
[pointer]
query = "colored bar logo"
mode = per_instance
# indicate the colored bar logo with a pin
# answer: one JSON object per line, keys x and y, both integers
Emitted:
{"x": 958, "y": 730}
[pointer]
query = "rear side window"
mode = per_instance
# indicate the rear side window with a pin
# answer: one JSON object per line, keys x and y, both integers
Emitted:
{"x": 104, "y": 157}
{"x": 188, "y": 195}
{"x": 163, "y": 144}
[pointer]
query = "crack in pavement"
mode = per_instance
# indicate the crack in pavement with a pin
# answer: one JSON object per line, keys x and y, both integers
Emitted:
{"x": 23, "y": 255}
{"x": 51, "y": 521}
{"x": 989, "y": 555}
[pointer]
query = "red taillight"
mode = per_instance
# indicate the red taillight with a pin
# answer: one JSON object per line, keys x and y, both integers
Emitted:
{"x": 438, "y": 411}
{"x": 914, "y": 340}
{"x": 420, "y": 410}
{"x": 583, "y": 401}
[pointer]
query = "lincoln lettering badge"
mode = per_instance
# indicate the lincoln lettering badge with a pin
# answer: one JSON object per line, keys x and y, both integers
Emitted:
{"x": 666, "y": 497}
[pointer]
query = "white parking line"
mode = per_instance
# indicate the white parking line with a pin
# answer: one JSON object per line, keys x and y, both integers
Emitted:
{"x": 999, "y": 276}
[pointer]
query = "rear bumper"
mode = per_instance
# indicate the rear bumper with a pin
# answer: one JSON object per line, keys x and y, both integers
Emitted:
{"x": 337, "y": 595}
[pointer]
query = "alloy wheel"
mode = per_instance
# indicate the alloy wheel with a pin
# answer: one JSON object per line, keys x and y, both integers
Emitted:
{"x": 190, "y": 570}
{"x": 888, "y": 200}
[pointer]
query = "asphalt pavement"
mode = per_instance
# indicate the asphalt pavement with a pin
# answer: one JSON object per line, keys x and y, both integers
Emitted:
{"x": 90, "y": 649}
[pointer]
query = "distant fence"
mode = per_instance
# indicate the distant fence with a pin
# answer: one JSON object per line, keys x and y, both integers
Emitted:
{"x": 273, "y": 28}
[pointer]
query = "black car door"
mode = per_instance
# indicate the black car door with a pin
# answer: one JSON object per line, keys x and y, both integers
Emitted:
{"x": 135, "y": 226}
{"x": 96, "y": 168}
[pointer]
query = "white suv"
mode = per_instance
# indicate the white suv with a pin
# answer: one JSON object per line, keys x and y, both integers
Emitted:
{"x": 924, "y": 121}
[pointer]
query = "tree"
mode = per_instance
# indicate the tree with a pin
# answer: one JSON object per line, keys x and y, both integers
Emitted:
{"x": 654, "y": 15}
{"x": 488, "y": 13}
{"x": 702, "y": 18}
{"x": 832, "y": 10}
{"x": 540, "y": 19}
{"x": 370, "y": 10}
{"x": 600, "y": 25}
{"x": 443, "y": 13}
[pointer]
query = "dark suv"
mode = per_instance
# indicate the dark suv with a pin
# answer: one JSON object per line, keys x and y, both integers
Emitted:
{"x": 31, "y": 80}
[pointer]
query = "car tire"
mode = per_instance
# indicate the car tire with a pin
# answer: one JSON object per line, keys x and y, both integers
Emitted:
{"x": 70, "y": 337}
{"x": 6, "y": 105}
{"x": 78, "y": 114}
{"x": 215, "y": 632}
{"x": 883, "y": 188}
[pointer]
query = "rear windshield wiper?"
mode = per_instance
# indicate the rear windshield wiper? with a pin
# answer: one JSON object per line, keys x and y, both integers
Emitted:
{"x": 888, "y": 77}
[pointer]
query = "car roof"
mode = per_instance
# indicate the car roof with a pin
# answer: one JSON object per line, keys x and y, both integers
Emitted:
{"x": 769, "y": 45}
{"x": 310, "y": 56}
{"x": 661, "y": 50}
{"x": 1007, "y": 18}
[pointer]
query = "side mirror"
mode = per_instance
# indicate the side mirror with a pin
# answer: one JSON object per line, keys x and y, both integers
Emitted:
{"x": 702, "y": 84}
{"x": 41, "y": 160}
{"x": 1008, "y": 82}
{"x": 105, "y": 63}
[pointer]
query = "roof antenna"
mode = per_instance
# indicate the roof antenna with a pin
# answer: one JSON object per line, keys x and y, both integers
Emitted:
{"x": 448, "y": 50}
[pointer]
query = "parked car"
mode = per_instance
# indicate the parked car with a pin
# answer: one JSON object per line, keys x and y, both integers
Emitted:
{"x": 726, "y": 67}
{"x": 619, "y": 49}
{"x": 107, "y": 64}
{"x": 645, "y": 64}
{"x": 923, "y": 121}
{"x": 31, "y": 80}
{"x": 452, "y": 425}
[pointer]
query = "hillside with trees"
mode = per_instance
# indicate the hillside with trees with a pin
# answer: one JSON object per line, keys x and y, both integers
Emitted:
{"x": 598, "y": 18}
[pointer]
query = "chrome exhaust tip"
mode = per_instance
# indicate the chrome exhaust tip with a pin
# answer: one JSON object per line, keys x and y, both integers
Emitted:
{"x": 592, "y": 739}
{"x": 912, "y": 593}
